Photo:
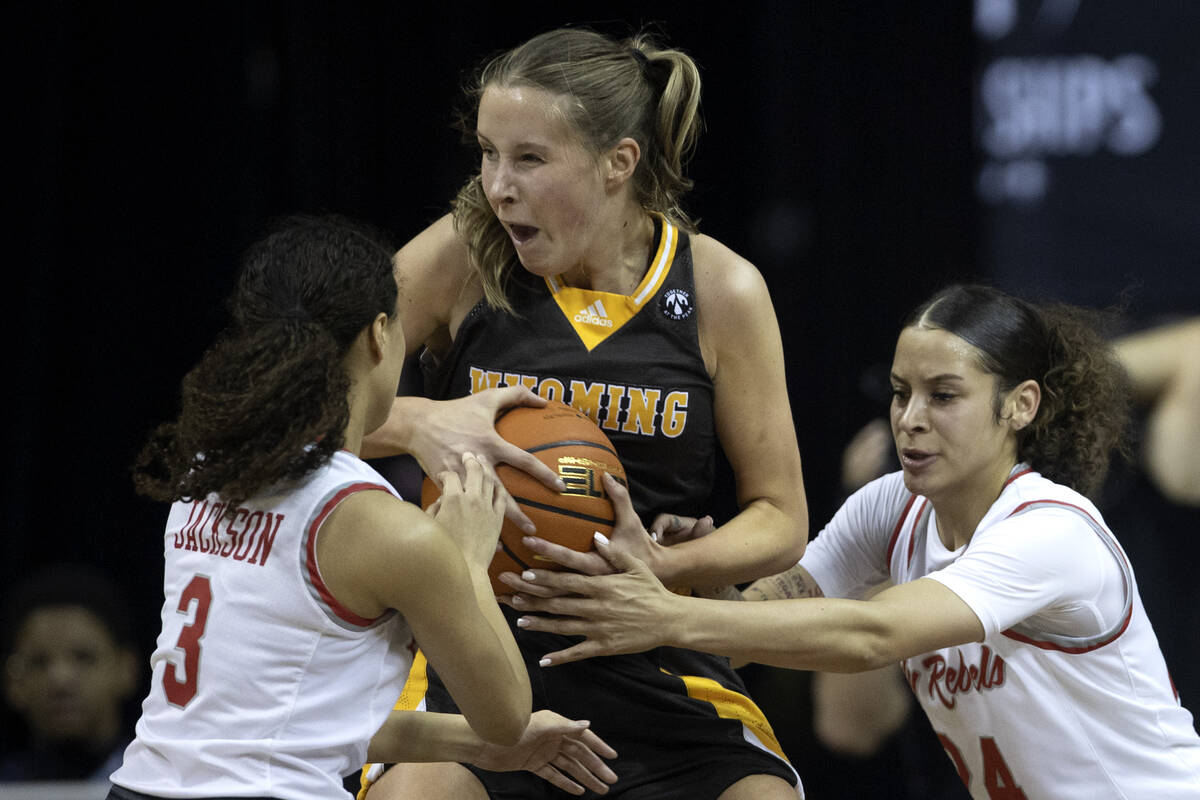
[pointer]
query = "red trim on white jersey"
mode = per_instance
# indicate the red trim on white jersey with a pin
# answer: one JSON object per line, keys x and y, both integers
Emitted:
{"x": 1014, "y": 476}
{"x": 912, "y": 539}
{"x": 912, "y": 498}
{"x": 1011, "y": 634}
{"x": 310, "y": 549}
{"x": 1100, "y": 531}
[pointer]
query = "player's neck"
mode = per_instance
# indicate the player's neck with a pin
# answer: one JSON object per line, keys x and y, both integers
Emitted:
{"x": 960, "y": 513}
{"x": 618, "y": 262}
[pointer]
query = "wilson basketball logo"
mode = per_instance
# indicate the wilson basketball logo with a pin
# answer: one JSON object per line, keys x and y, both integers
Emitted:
{"x": 677, "y": 304}
{"x": 579, "y": 476}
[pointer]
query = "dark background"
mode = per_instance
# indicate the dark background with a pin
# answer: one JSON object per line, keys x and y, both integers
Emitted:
{"x": 151, "y": 144}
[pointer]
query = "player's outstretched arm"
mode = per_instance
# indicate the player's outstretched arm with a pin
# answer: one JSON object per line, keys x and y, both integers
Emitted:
{"x": 631, "y": 611}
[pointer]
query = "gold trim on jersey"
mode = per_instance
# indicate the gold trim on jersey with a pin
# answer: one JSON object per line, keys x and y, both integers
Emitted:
{"x": 597, "y": 315}
{"x": 410, "y": 700}
{"x": 732, "y": 705}
{"x": 417, "y": 684}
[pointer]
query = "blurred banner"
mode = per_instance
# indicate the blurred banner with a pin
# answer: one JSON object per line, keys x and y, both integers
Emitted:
{"x": 1086, "y": 120}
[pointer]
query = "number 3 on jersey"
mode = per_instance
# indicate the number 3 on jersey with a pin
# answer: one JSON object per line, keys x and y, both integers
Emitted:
{"x": 997, "y": 777}
{"x": 180, "y": 692}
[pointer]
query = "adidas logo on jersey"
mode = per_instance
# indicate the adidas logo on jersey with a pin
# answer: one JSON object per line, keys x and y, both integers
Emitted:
{"x": 595, "y": 315}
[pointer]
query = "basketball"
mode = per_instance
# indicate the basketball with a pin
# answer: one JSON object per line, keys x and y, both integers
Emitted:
{"x": 566, "y": 440}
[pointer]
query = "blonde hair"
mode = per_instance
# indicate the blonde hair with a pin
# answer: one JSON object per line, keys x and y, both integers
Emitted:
{"x": 615, "y": 89}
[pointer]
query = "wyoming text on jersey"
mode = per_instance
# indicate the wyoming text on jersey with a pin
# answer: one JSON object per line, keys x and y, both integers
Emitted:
{"x": 613, "y": 406}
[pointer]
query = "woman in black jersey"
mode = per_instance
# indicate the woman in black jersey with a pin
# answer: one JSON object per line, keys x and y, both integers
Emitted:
{"x": 568, "y": 270}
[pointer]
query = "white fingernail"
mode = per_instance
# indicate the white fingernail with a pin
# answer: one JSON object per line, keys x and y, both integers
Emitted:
{"x": 528, "y": 575}
{"x": 600, "y": 537}
{"x": 545, "y": 662}
{"x": 522, "y": 622}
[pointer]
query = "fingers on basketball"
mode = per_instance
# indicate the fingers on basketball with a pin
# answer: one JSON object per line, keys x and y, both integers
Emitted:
{"x": 568, "y": 442}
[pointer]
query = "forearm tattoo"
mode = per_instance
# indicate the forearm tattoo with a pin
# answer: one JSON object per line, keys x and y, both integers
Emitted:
{"x": 785, "y": 586}
{"x": 719, "y": 593}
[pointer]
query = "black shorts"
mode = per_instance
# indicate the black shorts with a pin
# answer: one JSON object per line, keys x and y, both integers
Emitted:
{"x": 680, "y": 721}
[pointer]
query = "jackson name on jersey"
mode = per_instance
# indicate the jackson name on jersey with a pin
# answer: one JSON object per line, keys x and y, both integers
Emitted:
{"x": 243, "y": 535}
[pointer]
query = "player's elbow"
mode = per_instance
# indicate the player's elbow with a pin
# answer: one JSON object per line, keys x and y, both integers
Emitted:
{"x": 505, "y": 721}
{"x": 854, "y": 658}
{"x": 782, "y": 521}
{"x": 504, "y": 732}
{"x": 870, "y": 647}
{"x": 793, "y": 538}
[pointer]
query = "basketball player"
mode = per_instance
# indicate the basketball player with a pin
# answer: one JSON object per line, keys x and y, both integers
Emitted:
{"x": 568, "y": 270}
{"x": 1015, "y": 611}
{"x": 295, "y": 580}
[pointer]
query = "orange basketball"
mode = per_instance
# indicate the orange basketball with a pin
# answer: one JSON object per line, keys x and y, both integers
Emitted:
{"x": 566, "y": 440}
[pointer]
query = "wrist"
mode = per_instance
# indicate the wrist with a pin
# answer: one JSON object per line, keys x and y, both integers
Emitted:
{"x": 404, "y": 421}
{"x": 680, "y": 567}
{"x": 394, "y": 436}
{"x": 665, "y": 563}
{"x": 678, "y": 620}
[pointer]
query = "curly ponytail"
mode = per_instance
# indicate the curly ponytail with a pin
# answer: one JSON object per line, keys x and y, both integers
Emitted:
{"x": 268, "y": 401}
{"x": 1084, "y": 412}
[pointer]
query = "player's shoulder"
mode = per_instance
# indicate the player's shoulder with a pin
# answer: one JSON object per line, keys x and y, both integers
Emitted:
{"x": 434, "y": 274}
{"x": 376, "y": 517}
{"x": 438, "y": 235}
{"x": 437, "y": 252}
{"x": 1036, "y": 508}
{"x": 722, "y": 275}
{"x": 376, "y": 550}
{"x": 890, "y": 490}
{"x": 885, "y": 498}
{"x": 1030, "y": 491}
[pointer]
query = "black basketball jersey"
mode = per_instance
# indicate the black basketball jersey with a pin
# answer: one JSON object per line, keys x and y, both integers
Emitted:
{"x": 632, "y": 363}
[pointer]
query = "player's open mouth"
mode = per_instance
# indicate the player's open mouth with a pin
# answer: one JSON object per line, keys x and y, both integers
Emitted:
{"x": 522, "y": 233}
{"x": 916, "y": 459}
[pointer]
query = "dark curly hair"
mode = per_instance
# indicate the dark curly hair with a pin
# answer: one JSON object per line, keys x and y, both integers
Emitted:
{"x": 1084, "y": 411}
{"x": 268, "y": 401}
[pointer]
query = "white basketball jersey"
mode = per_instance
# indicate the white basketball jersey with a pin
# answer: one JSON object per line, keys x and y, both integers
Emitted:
{"x": 262, "y": 685}
{"x": 1029, "y": 712}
